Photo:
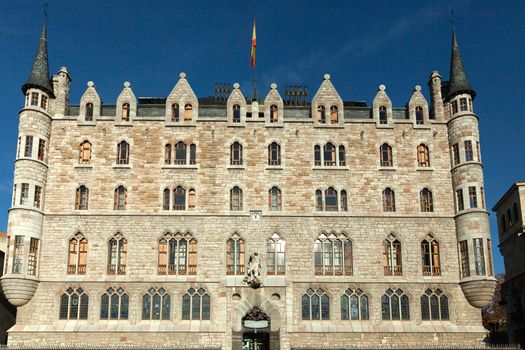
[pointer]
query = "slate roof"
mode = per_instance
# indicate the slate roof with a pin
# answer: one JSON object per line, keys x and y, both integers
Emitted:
{"x": 39, "y": 77}
{"x": 458, "y": 82}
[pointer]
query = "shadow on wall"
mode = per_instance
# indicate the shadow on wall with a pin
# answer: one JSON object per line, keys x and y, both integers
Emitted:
{"x": 7, "y": 311}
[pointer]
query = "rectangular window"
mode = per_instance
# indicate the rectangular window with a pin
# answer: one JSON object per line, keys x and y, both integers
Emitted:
{"x": 18, "y": 260}
{"x": 43, "y": 102}
{"x": 482, "y": 195}
{"x": 469, "y": 155}
{"x": 463, "y": 104}
{"x": 479, "y": 256}
{"x": 38, "y": 196}
{"x": 41, "y": 149}
{"x": 477, "y": 151}
{"x": 32, "y": 257}
{"x": 454, "y": 107}
{"x": 24, "y": 196}
{"x": 19, "y": 145}
{"x": 14, "y": 195}
{"x": 455, "y": 153}
{"x": 459, "y": 199}
{"x": 34, "y": 99}
{"x": 470, "y": 104}
{"x": 463, "y": 251}
{"x": 489, "y": 258}
{"x": 28, "y": 150}
{"x": 473, "y": 198}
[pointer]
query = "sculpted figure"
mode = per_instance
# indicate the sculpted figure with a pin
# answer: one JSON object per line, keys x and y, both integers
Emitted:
{"x": 253, "y": 272}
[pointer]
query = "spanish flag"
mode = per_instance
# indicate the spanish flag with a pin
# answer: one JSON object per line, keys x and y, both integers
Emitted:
{"x": 254, "y": 41}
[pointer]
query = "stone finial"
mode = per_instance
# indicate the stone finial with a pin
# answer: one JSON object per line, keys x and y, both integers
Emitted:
{"x": 182, "y": 75}
{"x": 326, "y": 76}
{"x": 90, "y": 84}
{"x": 236, "y": 86}
{"x": 273, "y": 86}
{"x": 127, "y": 84}
{"x": 417, "y": 88}
{"x": 382, "y": 87}
{"x": 435, "y": 74}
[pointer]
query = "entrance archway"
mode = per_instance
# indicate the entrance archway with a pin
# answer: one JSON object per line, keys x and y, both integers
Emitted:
{"x": 256, "y": 330}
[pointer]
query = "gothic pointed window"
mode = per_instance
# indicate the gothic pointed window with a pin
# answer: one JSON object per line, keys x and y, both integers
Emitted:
{"x": 333, "y": 254}
{"x": 180, "y": 153}
{"x": 274, "y": 154}
{"x": 425, "y": 199}
{"x": 236, "y": 198}
{"x": 120, "y": 199}
{"x": 82, "y": 198}
{"x": 315, "y": 305}
{"x": 125, "y": 112}
{"x": 117, "y": 250}
{"x": 74, "y": 304}
{"x": 77, "y": 255}
{"x": 344, "y": 201}
{"x": 329, "y": 154}
{"x": 179, "y": 198}
{"x": 321, "y": 114}
{"x": 114, "y": 304}
{"x": 319, "y": 200}
{"x": 317, "y": 155}
{"x": 342, "y": 156}
{"x": 419, "y": 115}
{"x": 354, "y": 305}
{"x": 330, "y": 199}
{"x": 193, "y": 154}
{"x": 166, "y": 199}
{"x": 333, "y": 115}
{"x": 191, "y": 199}
{"x": 392, "y": 262}
{"x": 389, "y": 200}
{"x": 430, "y": 257}
{"x": 236, "y": 154}
{"x": 382, "y": 115}
{"x": 275, "y": 249}
{"x": 434, "y": 305}
{"x": 177, "y": 254}
{"x": 274, "y": 116}
{"x": 175, "y": 113}
{"x": 188, "y": 112}
{"x": 156, "y": 305}
{"x": 167, "y": 154}
{"x": 386, "y": 155}
{"x": 235, "y": 255}
{"x": 196, "y": 305}
{"x": 423, "y": 158}
{"x": 274, "y": 199}
{"x": 236, "y": 114}
{"x": 85, "y": 152}
{"x": 89, "y": 112}
{"x": 123, "y": 153}
{"x": 395, "y": 305}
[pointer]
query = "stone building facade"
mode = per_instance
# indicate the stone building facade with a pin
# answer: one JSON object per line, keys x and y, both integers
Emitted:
{"x": 136, "y": 223}
{"x": 509, "y": 211}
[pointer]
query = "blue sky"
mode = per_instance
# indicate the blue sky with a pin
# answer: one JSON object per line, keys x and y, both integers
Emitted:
{"x": 360, "y": 43}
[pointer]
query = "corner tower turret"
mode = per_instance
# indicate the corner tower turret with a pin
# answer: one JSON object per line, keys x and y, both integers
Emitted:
{"x": 27, "y": 210}
{"x": 472, "y": 224}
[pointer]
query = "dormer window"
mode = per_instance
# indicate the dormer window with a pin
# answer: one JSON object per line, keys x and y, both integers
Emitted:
{"x": 125, "y": 112}
{"x": 174, "y": 112}
{"x": 89, "y": 112}
{"x": 419, "y": 115}
{"x": 236, "y": 114}
{"x": 382, "y": 115}
{"x": 273, "y": 114}
{"x": 188, "y": 110}
{"x": 333, "y": 115}
{"x": 321, "y": 114}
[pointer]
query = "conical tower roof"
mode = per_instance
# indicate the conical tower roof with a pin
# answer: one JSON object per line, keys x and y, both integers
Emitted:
{"x": 458, "y": 82}
{"x": 39, "y": 77}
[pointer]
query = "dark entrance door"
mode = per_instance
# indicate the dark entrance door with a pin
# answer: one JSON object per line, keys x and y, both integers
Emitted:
{"x": 255, "y": 341}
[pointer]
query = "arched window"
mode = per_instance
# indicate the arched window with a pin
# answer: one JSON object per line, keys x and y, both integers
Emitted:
{"x": 120, "y": 199}
{"x": 188, "y": 111}
{"x": 333, "y": 254}
{"x": 236, "y": 114}
{"x": 425, "y": 199}
{"x": 330, "y": 199}
{"x": 275, "y": 248}
{"x": 179, "y": 198}
{"x": 74, "y": 304}
{"x": 315, "y": 305}
{"x": 236, "y": 198}
{"x": 191, "y": 199}
{"x": 166, "y": 199}
{"x": 274, "y": 116}
{"x": 125, "y": 112}
{"x": 419, "y": 115}
{"x": 77, "y": 255}
{"x": 321, "y": 114}
{"x": 319, "y": 200}
{"x": 123, "y": 153}
{"x": 317, "y": 155}
{"x": 85, "y": 152}
{"x": 509, "y": 218}
{"x": 89, "y": 112}
{"x": 82, "y": 198}
{"x": 386, "y": 155}
{"x": 180, "y": 153}
{"x": 430, "y": 257}
{"x": 117, "y": 250}
{"x": 274, "y": 154}
{"x": 344, "y": 201}
{"x": 329, "y": 154}
{"x": 156, "y": 305}
{"x": 177, "y": 254}
{"x": 434, "y": 305}
{"x": 236, "y": 154}
{"x": 235, "y": 255}
{"x": 175, "y": 113}
{"x": 354, "y": 305}
{"x": 394, "y": 305}
{"x": 423, "y": 158}
{"x": 114, "y": 305}
{"x": 167, "y": 154}
{"x": 333, "y": 115}
{"x": 342, "y": 156}
{"x": 193, "y": 154}
{"x": 274, "y": 199}
{"x": 392, "y": 256}
{"x": 389, "y": 200}
{"x": 196, "y": 305}
{"x": 382, "y": 115}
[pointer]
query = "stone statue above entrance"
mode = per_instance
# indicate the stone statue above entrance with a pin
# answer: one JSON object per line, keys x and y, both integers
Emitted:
{"x": 253, "y": 273}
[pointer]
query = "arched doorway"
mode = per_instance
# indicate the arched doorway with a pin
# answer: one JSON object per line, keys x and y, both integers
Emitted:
{"x": 256, "y": 331}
